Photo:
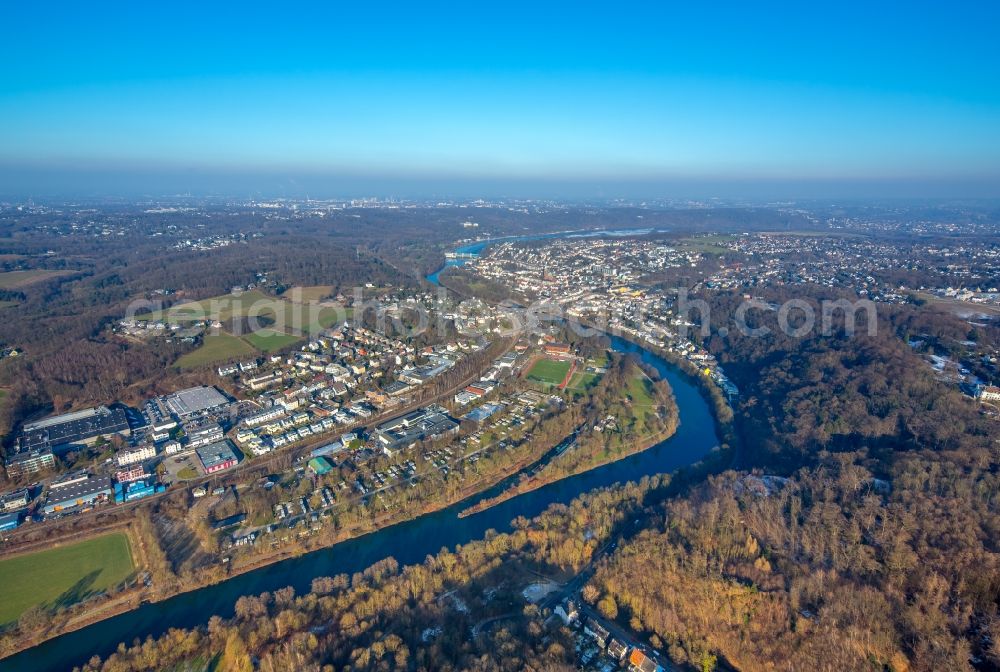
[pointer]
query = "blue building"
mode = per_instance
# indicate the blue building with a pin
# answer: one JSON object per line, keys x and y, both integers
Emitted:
{"x": 10, "y": 521}
{"x": 126, "y": 492}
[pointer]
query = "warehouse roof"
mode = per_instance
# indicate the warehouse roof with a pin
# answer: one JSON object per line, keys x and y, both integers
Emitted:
{"x": 194, "y": 399}
{"x": 72, "y": 427}
{"x": 81, "y": 489}
{"x": 215, "y": 453}
{"x": 415, "y": 426}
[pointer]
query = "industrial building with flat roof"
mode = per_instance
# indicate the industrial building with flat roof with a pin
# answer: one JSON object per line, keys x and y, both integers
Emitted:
{"x": 328, "y": 449}
{"x": 482, "y": 412}
{"x": 79, "y": 427}
{"x": 217, "y": 456}
{"x": 194, "y": 400}
{"x": 418, "y": 425}
{"x": 78, "y": 492}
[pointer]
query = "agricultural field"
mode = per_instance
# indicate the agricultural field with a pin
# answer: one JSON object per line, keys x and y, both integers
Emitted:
{"x": 549, "y": 371}
{"x": 218, "y": 347}
{"x": 329, "y": 316}
{"x": 308, "y": 319}
{"x": 61, "y": 576}
{"x": 283, "y": 315}
{"x": 16, "y": 279}
{"x": 307, "y": 294}
{"x": 268, "y": 340}
{"x": 222, "y": 308}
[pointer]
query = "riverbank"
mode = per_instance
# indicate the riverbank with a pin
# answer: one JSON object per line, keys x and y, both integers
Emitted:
{"x": 723, "y": 416}
{"x": 531, "y": 483}
{"x": 599, "y": 442}
{"x": 123, "y": 602}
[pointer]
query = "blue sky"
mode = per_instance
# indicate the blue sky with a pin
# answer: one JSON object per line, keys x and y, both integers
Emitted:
{"x": 607, "y": 94}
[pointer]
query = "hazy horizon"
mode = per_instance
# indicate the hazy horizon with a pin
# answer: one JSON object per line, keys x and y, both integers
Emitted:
{"x": 58, "y": 182}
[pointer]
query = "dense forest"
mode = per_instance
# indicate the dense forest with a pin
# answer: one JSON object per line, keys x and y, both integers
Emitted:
{"x": 845, "y": 391}
{"x": 833, "y": 569}
{"x": 878, "y": 551}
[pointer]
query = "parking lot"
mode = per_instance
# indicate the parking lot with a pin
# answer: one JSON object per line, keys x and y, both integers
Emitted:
{"x": 182, "y": 467}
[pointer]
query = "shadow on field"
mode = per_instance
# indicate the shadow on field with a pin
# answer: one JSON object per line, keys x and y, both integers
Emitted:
{"x": 78, "y": 592}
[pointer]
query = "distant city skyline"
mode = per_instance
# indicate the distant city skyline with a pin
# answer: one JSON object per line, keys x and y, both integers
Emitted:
{"x": 726, "y": 100}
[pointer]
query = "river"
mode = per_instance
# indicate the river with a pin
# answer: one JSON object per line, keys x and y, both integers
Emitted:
{"x": 408, "y": 542}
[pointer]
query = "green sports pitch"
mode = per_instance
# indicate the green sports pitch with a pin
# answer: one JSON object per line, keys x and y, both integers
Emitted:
{"x": 551, "y": 371}
{"x": 59, "y": 577}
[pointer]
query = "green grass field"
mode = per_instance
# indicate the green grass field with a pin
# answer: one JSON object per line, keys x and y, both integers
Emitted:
{"x": 267, "y": 340}
{"x": 62, "y": 576}
{"x": 549, "y": 371}
{"x": 329, "y": 316}
{"x": 603, "y": 360}
{"x": 15, "y": 279}
{"x": 216, "y": 348}
{"x": 639, "y": 389}
{"x": 582, "y": 380}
